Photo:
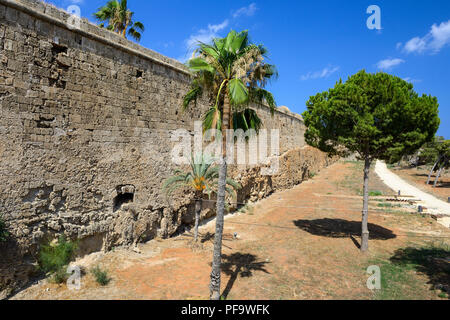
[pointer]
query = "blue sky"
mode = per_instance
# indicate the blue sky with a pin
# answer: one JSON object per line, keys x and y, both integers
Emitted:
{"x": 313, "y": 43}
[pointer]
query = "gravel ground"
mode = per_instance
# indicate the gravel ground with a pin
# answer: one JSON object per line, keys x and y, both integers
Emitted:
{"x": 433, "y": 204}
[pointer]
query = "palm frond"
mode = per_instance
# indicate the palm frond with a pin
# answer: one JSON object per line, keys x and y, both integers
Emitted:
{"x": 192, "y": 96}
{"x": 212, "y": 119}
{"x": 260, "y": 96}
{"x": 247, "y": 119}
{"x": 139, "y": 26}
{"x": 119, "y": 19}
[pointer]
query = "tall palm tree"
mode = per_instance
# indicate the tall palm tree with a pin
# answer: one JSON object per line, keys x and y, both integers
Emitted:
{"x": 119, "y": 19}
{"x": 202, "y": 178}
{"x": 232, "y": 72}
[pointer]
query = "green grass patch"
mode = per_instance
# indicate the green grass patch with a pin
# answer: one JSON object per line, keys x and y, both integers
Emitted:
{"x": 101, "y": 276}
{"x": 385, "y": 205}
{"x": 388, "y": 205}
{"x": 399, "y": 279}
{"x": 443, "y": 295}
{"x": 55, "y": 257}
{"x": 375, "y": 193}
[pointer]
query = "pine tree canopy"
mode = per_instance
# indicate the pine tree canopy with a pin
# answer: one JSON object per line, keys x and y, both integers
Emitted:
{"x": 376, "y": 116}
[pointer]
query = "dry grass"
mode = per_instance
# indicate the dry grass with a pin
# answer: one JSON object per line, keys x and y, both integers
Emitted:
{"x": 297, "y": 244}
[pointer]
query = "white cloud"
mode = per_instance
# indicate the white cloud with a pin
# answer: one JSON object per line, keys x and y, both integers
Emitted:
{"x": 389, "y": 63}
{"x": 203, "y": 35}
{"x": 213, "y": 31}
{"x": 411, "y": 80}
{"x": 324, "y": 73}
{"x": 247, "y": 11}
{"x": 416, "y": 45}
{"x": 434, "y": 41}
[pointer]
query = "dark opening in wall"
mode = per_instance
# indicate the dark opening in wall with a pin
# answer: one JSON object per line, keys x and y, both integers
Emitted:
{"x": 121, "y": 199}
{"x": 57, "y": 83}
{"x": 44, "y": 122}
{"x": 125, "y": 194}
{"x": 79, "y": 40}
{"x": 139, "y": 74}
{"x": 57, "y": 48}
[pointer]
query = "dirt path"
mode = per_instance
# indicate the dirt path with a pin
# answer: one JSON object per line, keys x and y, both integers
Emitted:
{"x": 297, "y": 244}
{"x": 418, "y": 177}
{"x": 434, "y": 205}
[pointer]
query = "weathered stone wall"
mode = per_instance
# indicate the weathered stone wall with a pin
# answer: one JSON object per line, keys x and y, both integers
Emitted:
{"x": 85, "y": 124}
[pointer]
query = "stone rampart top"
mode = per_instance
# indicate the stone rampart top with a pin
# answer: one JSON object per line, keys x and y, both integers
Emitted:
{"x": 51, "y": 14}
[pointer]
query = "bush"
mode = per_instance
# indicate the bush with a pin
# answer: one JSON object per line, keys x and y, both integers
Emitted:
{"x": 60, "y": 276}
{"x": 101, "y": 276}
{"x": 54, "y": 258}
{"x": 3, "y": 233}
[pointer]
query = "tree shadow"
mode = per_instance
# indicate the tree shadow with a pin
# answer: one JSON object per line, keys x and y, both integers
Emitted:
{"x": 240, "y": 264}
{"x": 355, "y": 242}
{"x": 443, "y": 185}
{"x": 423, "y": 175}
{"x": 431, "y": 261}
{"x": 208, "y": 236}
{"x": 17, "y": 269}
{"x": 338, "y": 228}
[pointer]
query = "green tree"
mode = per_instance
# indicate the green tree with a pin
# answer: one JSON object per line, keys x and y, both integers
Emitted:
{"x": 232, "y": 73}
{"x": 429, "y": 153}
{"x": 376, "y": 116}
{"x": 202, "y": 178}
{"x": 441, "y": 151}
{"x": 119, "y": 19}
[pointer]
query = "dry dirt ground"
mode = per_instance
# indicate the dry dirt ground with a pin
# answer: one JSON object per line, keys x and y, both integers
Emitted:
{"x": 418, "y": 177}
{"x": 297, "y": 244}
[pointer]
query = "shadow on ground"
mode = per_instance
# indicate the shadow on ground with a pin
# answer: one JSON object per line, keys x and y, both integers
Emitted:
{"x": 443, "y": 185}
{"x": 240, "y": 264}
{"x": 339, "y": 228}
{"x": 434, "y": 262}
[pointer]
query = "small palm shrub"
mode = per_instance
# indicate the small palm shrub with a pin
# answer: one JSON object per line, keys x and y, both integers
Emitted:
{"x": 202, "y": 178}
{"x": 101, "y": 276}
{"x": 54, "y": 258}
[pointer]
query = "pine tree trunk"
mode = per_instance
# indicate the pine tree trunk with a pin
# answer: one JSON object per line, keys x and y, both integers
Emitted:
{"x": 198, "y": 210}
{"x": 217, "y": 255}
{"x": 432, "y": 170}
{"x": 439, "y": 174}
{"x": 365, "y": 213}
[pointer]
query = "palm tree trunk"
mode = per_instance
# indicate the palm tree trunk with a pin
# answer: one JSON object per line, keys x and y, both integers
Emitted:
{"x": 365, "y": 213}
{"x": 198, "y": 210}
{"x": 125, "y": 28}
{"x": 217, "y": 255}
{"x": 432, "y": 170}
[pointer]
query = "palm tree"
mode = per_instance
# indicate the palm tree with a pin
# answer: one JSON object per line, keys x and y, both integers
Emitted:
{"x": 232, "y": 72}
{"x": 202, "y": 178}
{"x": 119, "y": 19}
